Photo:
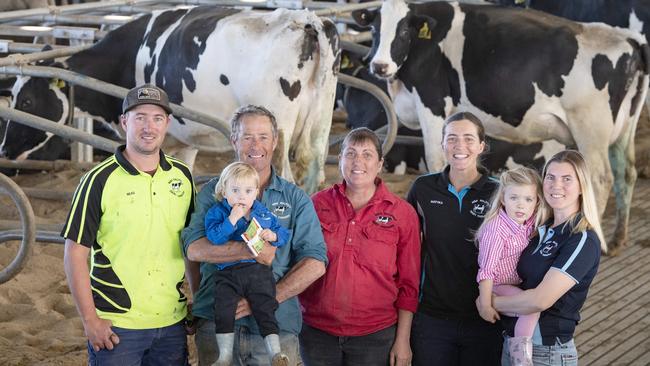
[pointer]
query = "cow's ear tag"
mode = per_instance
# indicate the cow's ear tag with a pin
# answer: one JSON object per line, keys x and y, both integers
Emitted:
{"x": 57, "y": 83}
{"x": 425, "y": 32}
{"x": 345, "y": 62}
{"x": 519, "y": 2}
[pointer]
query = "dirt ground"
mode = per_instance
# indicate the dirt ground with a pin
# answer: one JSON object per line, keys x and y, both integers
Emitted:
{"x": 39, "y": 324}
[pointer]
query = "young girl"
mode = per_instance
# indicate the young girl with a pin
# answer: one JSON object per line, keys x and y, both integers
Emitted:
{"x": 517, "y": 208}
{"x": 236, "y": 206}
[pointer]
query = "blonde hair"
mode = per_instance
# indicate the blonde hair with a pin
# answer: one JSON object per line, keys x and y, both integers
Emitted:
{"x": 589, "y": 218}
{"x": 234, "y": 172}
{"x": 522, "y": 177}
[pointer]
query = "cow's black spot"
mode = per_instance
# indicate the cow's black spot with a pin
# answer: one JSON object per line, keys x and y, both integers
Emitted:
{"x": 55, "y": 146}
{"x": 184, "y": 46}
{"x": 290, "y": 90}
{"x": 224, "y": 79}
{"x": 636, "y": 99}
{"x": 508, "y": 52}
{"x": 500, "y": 151}
{"x": 190, "y": 83}
{"x": 333, "y": 37}
{"x": 309, "y": 45}
{"x": 160, "y": 25}
{"x": 149, "y": 69}
{"x": 617, "y": 78}
{"x": 113, "y": 60}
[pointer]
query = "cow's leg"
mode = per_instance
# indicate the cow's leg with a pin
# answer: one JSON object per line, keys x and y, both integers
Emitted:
{"x": 281, "y": 157}
{"x": 622, "y": 160}
{"x": 432, "y": 138}
{"x": 315, "y": 160}
{"x": 592, "y": 143}
{"x": 185, "y": 154}
{"x": 601, "y": 175}
{"x": 180, "y": 151}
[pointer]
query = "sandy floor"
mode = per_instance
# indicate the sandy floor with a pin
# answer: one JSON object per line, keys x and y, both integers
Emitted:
{"x": 38, "y": 321}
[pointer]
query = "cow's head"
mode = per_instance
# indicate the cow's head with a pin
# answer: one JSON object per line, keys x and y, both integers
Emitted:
{"x": 394, "y": 28}
{"x": 41, "y": 97}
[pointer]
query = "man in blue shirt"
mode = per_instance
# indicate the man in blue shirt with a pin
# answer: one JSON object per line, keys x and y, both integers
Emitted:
{"x": 295, "y": 265}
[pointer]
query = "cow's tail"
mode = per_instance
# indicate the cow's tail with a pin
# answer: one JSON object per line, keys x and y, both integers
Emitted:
{"x": 642, "y": 55}
{"x": 622, "y": 152}
{"x": 320, "y": 115}
{"x": 329, "y": 49}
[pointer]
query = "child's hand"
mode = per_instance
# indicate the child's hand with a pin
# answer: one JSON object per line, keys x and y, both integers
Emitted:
{"x": 237, "y": 212}
{"x": 268, "y": 235}
{"x": 488, "y": 313}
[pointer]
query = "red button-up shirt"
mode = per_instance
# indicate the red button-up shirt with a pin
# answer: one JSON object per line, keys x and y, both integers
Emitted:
{"x": 374, "y": 263}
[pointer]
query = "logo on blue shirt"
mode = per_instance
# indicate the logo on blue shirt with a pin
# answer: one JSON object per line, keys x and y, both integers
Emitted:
{"x": 281, "y": 209}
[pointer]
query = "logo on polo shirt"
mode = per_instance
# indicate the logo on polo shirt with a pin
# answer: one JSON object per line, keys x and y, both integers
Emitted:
{"x": 175, "y": 187}
{"x": 281, "y": 209}
{"x": 548, "y": 248}
{"x": 480, "y": 207}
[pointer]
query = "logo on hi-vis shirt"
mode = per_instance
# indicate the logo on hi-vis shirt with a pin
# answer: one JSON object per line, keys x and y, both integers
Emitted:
{"x": 480, "y": 207}
{"x": 175, "y": 187}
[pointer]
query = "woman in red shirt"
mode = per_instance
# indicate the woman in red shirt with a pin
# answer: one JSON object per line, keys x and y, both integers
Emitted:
{"x": 360, "y": 311}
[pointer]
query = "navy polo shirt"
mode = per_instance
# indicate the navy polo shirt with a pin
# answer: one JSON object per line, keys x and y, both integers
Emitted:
{"x": 576, "y": 255}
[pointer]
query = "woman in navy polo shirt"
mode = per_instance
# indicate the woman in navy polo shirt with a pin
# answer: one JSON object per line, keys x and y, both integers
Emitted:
{"x": 559, "y": 264}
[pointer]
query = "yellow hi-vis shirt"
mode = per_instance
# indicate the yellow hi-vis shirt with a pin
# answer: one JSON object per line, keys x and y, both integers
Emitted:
{"x": 132, "y": 223}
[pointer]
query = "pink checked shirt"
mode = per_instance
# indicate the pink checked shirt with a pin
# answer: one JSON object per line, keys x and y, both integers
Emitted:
{"x": 501, "y": 241}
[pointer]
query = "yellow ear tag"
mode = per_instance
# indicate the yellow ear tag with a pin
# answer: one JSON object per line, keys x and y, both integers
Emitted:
{"x": 519, "y": 2}
{"x": 57, "y": 83}
{"x": 425, "y": 32}
{"x": 345, "y": 62}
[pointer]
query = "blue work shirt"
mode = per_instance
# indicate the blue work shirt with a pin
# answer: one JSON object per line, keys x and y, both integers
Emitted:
{"x": 295, "y": 211}
{"x": 219, "y": 230}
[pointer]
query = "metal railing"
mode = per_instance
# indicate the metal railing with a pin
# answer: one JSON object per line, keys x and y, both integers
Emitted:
{"x": 27, "y": 235}
{"x": 112, "y": 90}
{"x": 17, "y": 65}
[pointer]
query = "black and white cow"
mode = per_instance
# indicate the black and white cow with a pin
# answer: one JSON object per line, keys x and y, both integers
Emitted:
{"x": 528, "y": 75}
{"x": 630, "y": 14}
{"x": 211, "y": 59}
{"x": 364, "y": 110}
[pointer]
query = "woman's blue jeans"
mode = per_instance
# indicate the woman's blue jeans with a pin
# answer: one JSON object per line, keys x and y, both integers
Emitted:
{"x": 559, "y": 354}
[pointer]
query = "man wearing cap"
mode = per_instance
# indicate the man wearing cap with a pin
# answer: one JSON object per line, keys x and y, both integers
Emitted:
{"x": 127, "y": 214}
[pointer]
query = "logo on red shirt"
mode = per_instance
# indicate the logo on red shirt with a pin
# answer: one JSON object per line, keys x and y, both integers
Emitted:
{"x": 384, "y": 219}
